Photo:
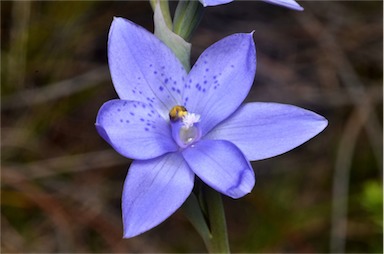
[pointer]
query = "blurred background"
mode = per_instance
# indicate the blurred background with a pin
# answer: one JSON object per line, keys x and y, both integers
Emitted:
{"x": 61, "y": 183}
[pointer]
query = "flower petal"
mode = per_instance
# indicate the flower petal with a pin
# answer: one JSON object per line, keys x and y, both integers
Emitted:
{"x": 206, "y": 3}
{"x": 264, "y": 130}
{"x": 221, "y": 165}
{"x": 153, "y": 191}
{"x": 134, "y": 129}
{"x": 221, "y": 79}
{"x": 143, "y": 68}
{"x": 291, "y": 4}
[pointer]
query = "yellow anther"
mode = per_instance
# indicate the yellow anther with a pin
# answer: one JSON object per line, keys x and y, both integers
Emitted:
{"x": 177, "y": 112}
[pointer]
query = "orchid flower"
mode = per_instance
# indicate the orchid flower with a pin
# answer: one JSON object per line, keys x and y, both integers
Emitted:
{"x": 291, "y": 4}
{"x": 177, "y": 125}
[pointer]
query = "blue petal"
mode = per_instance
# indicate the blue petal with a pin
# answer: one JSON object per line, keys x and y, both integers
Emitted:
{"x": 143, "y": 68}
{"x": 221, "y": 165}
{"x": 264, "y": 130}
{"x": 221, "y": 79}
{"x": 286, "y": 3}
{"x": 206, "y": 3}
{"x": 153, "y": 191}
{"x": 134, "y": 129}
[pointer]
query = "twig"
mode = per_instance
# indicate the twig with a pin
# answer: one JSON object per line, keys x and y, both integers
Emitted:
{"x": 354, "y": 87}
{"x": 18, "y": 43}
{"x": 366, "y": 118}
{"x": 54, "y": 91}
{"x": 340, "y": 187}
{"x": 70, "y": 163}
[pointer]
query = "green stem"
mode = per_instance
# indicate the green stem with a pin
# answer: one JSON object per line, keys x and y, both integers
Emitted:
{"x": 164, "y": 6}
{"x": 216, "y": 215}
{"x": 206, "y": 213}
{"x": 194, "y": 213}
{"x": 188, "y": 15}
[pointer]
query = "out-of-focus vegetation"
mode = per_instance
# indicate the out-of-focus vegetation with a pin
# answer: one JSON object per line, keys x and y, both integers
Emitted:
{"x": 61, "y": 183}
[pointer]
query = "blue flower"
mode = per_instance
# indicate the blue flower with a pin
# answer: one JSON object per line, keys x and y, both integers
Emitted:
{"x": 176, "y": 125}
{"x": 291, "y": 4}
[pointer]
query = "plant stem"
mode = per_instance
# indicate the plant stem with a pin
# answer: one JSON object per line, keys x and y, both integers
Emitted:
{"x": 188, "y": 15}
{"x": 216, "y": 215}
{"x": 164, "y": 6}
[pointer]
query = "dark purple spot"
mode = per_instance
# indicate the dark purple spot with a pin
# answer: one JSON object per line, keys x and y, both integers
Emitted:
{"x": 232, "y": 66}
{"x": 152, "y": 111}
{"x": 163, "y": 67}
{"x": 178, "y": 91}
{"x": 139, "y": 78}
{"x": 161, "y": 88}
{"x": 148, "y": 124}
{"x": 133, "y": 91}
{"x": 149, "y": 115}
{"x": 205, "y": 62}
{"x": 166, "y": 81}
{"x": 134, "y": 105}
{"x": 150, "y": 65}
{"x": 186, "y": 98}
{"x": 140, "y": 92}
{"x": 131, "y": 113}
{"x": 203, "y": 90}
{"x": 207, "y": 70}
{"x": 155, "y": 72}
{"x": 174, "y": 82}
{"x": 215, "y": 87}
{"x": 205, "y": 82}
{"x": 127, "y": 121}
{"x": 214, "y": 77}
{"x": 142, "y": 119}
{"x": 143, "y": 106}
{"x": 146, "y": 129}
{"x": 121, "y": 120}
{"x": 118, "y": 109}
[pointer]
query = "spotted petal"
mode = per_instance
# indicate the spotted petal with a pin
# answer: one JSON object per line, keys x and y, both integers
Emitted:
{"x": 221, "y": 79}
{"x": 221, "y": 165}
{"x": 206, "y": 3}
{"x": 134, "y": 129}
{"x": 143, "y": 68}
{"x": 291, "y": 4}
{"x": 153, "y": 190}
{"x": 264, "y": 130}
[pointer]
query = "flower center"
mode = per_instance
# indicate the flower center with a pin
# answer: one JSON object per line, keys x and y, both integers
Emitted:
{"x": 185, "y": 126}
